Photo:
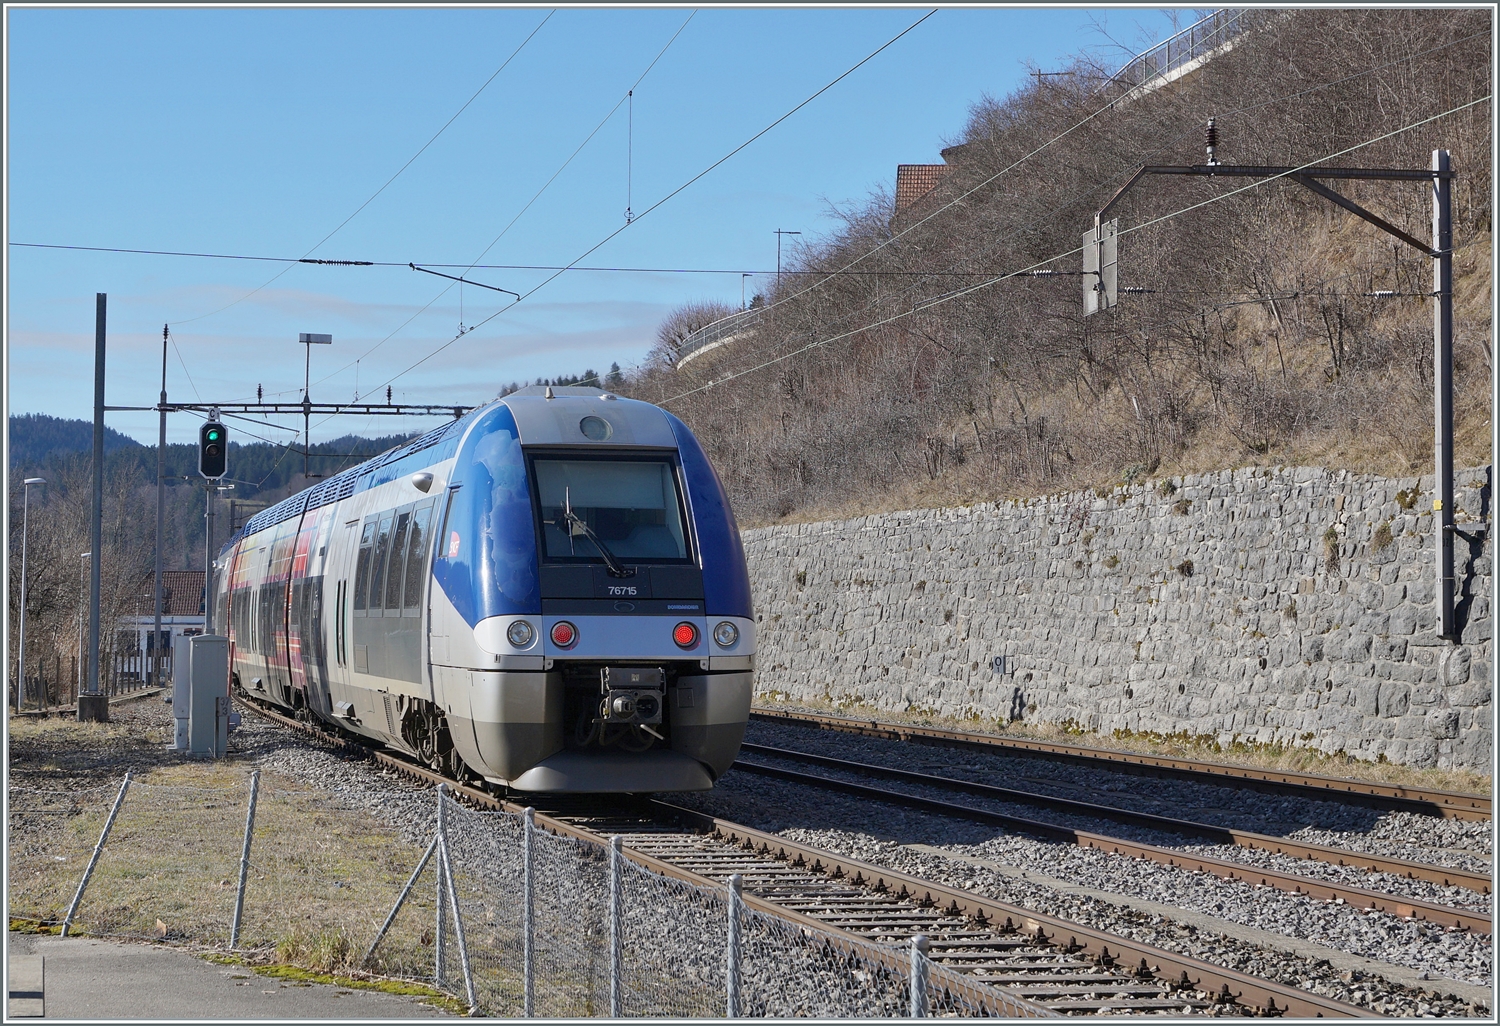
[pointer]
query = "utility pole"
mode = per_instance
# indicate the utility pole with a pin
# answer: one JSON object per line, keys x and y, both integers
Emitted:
{"x": 309, "y": 339}
{"x": 1442, "y": 382}
{"x": 779, "y": 234}
{"x": 161, "y": 498}
{"x": 1098, "y": 262}
{"x": 94, "y": 706}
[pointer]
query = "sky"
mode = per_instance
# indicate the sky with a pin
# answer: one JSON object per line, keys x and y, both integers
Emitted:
{"x": 260, "y": 131}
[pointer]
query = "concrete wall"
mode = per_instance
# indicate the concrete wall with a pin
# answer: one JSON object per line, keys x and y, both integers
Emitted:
{"x": 1291, "y": 605}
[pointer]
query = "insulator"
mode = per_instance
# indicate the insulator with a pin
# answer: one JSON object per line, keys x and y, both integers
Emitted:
{"x": 1211, "y": 141}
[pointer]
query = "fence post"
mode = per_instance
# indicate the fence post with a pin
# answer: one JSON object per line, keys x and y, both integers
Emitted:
{"x": 98, "y": 848}
{"x": 445, "y": 866}
{"x": 239, "y": 895}
{"x": 438, "y": 947}
{"x": 919, "y": 977}
{"x": 732, "y": 957}
{"x": 405, "y": 892}
{"x": 616, "y": 844}
{"x": 528, "y": 826}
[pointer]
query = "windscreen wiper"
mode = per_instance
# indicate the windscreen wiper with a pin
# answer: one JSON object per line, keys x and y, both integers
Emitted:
{"x": 616, "y": 569}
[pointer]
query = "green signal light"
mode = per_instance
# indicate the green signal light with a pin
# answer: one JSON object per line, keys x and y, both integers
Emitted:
{"x": 213, "y": 436}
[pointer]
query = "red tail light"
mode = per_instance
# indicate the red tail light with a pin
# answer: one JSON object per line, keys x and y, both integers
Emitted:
{"x": 685, "y": 634}
{"x": 564, "y": 634}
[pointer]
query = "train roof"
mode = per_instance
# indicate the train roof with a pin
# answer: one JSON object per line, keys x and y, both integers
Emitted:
{"x": 545, "y": 415}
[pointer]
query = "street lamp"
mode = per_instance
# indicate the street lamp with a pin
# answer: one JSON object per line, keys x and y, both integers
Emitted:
{"x": 779, "y": 234}
{"x": 21, "y": 642}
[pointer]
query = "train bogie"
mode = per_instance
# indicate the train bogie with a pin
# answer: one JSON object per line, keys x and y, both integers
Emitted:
{"x": 549, "y": 594}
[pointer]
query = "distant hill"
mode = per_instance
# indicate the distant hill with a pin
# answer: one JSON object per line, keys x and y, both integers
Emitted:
{"x": 43, "y": 444}
{"x": 35, "y": 436}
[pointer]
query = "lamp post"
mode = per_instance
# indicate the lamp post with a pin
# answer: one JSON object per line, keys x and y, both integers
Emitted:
{"x": 21, "y": 641}
{"x": 779, "y": 234}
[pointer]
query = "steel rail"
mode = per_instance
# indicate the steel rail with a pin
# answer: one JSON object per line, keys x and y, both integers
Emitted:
{"x": 1106, "y": 947}
{"x": 1449, "y": 804}
{"x": 1446, "y": 876}
{"x": 1268, "y": 997}
{"x": 840, "y": 940}
{"x": 1411, "y": 908}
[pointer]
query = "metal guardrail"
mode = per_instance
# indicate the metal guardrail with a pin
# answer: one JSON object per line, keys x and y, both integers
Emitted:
{"x": 1198, "y": 41}
{"x": 715, "y": 334}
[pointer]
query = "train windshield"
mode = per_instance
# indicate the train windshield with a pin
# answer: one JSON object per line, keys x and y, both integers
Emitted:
{"x": 630, "y": 505}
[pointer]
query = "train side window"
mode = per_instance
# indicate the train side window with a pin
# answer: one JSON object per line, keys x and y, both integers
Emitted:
{"x": 362, "y": 572}
{"x": 416, "y": 560}
{"x": 377, "y": 568}
{"x": 338, "y": 622}
{"x": 393, "y": 577}
{"x": 444, "y": 544}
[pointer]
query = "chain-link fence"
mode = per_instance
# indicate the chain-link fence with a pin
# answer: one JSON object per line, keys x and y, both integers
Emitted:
{"x": 505, "y": 916}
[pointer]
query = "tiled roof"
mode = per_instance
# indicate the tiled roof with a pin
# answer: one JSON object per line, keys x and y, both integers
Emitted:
{"x": 181, "y": 592}
{"x": 913, "y": 181}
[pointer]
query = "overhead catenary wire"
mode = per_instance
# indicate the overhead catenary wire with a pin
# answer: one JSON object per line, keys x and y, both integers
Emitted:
{"x": 1405, "y": 58}
{"x": 1105, "y": 183}
{"x": 602, "y": 242}
{"x": 520, "y": 213}
{"x": 388, "y": 181}
{"x": 960, "y": 293}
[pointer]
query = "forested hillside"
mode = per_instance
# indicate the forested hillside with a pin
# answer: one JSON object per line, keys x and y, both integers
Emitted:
{"x": 915, "y": 358}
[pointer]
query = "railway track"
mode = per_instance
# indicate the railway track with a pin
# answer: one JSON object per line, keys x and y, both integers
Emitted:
{"x": 1444, "y": 915}
{"x": 1063, "y": 966}
{"x": 1446, "y": 876}
{"x": 1449, "y": 804}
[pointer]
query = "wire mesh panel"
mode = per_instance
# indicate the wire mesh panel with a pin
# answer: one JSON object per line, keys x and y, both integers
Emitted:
{"x": 792, "y": 971}
{"x": 170, "y": 867}
{"x": 485, "y": 851}
{"x": 52, "y": 835}
{"x": 570, "y": 908}
{"x": 673, "y": 944}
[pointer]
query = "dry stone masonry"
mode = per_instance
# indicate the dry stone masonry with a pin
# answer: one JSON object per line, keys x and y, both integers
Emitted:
{"x": 1290, "y": 605}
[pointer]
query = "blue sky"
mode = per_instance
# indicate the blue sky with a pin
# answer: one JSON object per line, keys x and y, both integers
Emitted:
{"x": 257, "y": 131}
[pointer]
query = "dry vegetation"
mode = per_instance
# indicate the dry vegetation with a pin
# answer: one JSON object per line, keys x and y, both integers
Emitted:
{"x": 323, "y": 875}
{"x": 1259, "y": 344}
{"x": 1285, "y": 758}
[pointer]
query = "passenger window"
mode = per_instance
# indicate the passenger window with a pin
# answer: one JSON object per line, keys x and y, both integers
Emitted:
{"x": 416, "y": 560}
{"x": 377, "y": 569}
{"x": 398, "y": 561}
{"x": 362, "y": 571}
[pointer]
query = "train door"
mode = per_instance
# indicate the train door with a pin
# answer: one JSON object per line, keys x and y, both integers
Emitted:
{"x": 299, "y": 649}
{"x": 344, "y": 548}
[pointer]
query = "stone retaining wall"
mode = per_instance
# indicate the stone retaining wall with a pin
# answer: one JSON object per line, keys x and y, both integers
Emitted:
{"x": 1289, "y": 605}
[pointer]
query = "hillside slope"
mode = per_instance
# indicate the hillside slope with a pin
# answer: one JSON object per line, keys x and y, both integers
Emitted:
{"x": 918, "y": 363}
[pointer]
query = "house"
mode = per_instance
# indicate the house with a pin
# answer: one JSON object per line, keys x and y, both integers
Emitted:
{"x": 181, "y": 616}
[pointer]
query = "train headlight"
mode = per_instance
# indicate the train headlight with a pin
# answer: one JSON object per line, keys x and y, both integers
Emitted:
{"x": 685, "y": 634}
{"x": 564, "y": 634}
{"x": 520, "y": 633}
{"x": 726, "y": 634}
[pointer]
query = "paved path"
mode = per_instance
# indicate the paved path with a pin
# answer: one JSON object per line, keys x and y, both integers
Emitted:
{"x": 81, "y": 978}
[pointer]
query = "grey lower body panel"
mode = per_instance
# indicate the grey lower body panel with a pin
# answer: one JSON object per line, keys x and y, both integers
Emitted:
{"x": 616, "y": 772}
{"x": 507, "y": 726}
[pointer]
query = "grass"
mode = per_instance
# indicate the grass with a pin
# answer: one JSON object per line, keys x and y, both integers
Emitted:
{"x": 322, "y": 875}
{"x": 1238, "y": 752}
{"x": 291, "y": 972}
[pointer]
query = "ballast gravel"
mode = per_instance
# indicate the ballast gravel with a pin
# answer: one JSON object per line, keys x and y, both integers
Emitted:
{"x": 843, "y": 824}
{"x": 1352, "y": 876}
{"x": 1456, "y": 843}
{"x": 846, "y": 824}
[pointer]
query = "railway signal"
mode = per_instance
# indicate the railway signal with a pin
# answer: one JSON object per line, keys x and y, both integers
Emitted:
{"x": 213, "y": 450}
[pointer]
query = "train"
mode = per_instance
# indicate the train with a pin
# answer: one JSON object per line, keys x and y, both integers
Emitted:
{"x": 546, "y": 594}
